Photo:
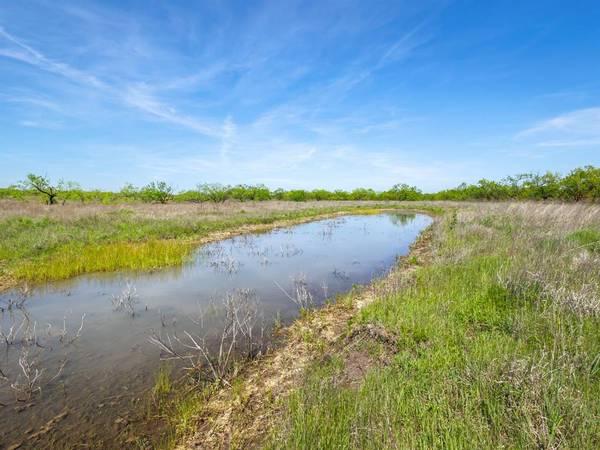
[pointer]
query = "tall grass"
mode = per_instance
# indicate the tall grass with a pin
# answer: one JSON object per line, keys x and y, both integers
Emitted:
{"x": 498, "y": 344}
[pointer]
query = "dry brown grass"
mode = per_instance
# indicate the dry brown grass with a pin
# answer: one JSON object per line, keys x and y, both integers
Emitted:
{"x": 74, "y": 210}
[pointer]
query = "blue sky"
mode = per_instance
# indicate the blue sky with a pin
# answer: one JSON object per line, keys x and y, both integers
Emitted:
{"x": 335, "y": 94}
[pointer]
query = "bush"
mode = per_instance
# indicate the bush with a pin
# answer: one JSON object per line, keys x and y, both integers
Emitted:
{"x": 157, "y": 191}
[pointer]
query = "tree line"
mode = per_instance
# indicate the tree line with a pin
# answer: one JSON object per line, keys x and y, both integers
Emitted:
{"x": 581, "y": 184}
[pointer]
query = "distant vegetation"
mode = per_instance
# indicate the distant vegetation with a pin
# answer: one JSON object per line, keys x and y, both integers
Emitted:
{"x": 581, "y": 184}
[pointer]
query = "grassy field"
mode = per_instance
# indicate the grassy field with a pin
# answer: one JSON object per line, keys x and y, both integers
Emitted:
{"x": 496, "y": 343}
{"x": 41, "y": 243}
{"x": 488, "y": 336}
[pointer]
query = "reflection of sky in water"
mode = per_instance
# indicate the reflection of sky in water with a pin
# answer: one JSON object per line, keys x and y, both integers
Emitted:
{"x": 335, "y": 253}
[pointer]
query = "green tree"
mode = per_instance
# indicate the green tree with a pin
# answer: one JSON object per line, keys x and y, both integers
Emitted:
{"x": 278, "y": 194}
{"x": 157, "y": 191}
{"x": 581, "y": 183}
{"x": 296, "y": 195}
{"x": 214, "y": 192}
{"x": 72, "y": 191}
{"x": 363, "y": 194}
{"x": 321, "y": 194}
{"x": 43, "y": 186}
{"x": 129, "y": 191}
{"x": 402, "y": 191}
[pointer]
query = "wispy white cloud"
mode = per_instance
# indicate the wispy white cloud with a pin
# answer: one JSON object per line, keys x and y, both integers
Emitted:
{"x": 29, "y": 55}
{"x": 31, "y": 99}
{"x": 133, "y": 96}
{"x": 43, "y": 124}
{"x": 279, "y": 90}
{"x": 139, "y": 98}
{"x": 579, "y": 128}
{"x": 571, "y": 143}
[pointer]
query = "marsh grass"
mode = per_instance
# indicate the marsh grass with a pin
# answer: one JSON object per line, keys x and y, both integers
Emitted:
{"x": 498, "y": 343}
{"x": 72, "y": 260}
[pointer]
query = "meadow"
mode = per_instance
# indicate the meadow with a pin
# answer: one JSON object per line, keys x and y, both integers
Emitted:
{"x": 486, "y": 335}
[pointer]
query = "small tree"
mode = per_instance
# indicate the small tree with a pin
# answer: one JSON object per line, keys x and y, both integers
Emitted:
{"x": 157, "y": 191}
{"x": 129, "y": 191}
{"x": 214, "y": 192}
{"x": 321, "y": 194}
{"x": 296, "y": 195}
{"x": 402, "y": 191}
{"x": 72, "y": 191}
{"x": 581, "y": 184}
{"x": 43, "y": 186}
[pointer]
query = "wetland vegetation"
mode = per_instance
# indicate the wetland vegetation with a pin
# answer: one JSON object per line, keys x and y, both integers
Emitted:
{"x": 484, "y": 335}
{"x": 494, "y": 343}
{"x": 42, "y": 243}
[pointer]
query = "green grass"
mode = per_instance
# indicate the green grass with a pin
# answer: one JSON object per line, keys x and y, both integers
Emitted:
{"x": 174, "y": 410}
{"x": 488, "y": 354}
{"x": 71, "y": 260}
{"x": 44, "y": 248}
{"x": 162, "y": 383}
{"x": 587, "y": 238}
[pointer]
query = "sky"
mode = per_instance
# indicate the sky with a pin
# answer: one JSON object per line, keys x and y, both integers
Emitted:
{"x": 294, "y": 94}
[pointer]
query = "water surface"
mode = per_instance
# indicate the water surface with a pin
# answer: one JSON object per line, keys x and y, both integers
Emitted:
{"x": 110, "y": 366}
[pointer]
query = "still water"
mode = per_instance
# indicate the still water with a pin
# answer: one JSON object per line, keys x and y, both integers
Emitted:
{"x": 106, "y": 360}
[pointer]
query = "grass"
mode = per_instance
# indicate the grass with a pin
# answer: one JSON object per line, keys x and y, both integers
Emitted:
{"x": 173, "y": 409}
{"x": 587, "y": 238}
{"x": 497, "y": 337}
{"x": 498, "y": 344}
{"x": 40, "y": 243}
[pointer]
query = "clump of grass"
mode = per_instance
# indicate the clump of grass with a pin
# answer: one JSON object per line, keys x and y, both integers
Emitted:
{"x": 176, "y": 406}
{"x": 587, "y": 238}
{"x": 497, "y": 344}
{"x": 162, "y": 383}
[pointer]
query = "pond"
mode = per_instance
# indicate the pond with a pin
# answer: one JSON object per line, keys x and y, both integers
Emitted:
{"x": 88, "y": 338}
